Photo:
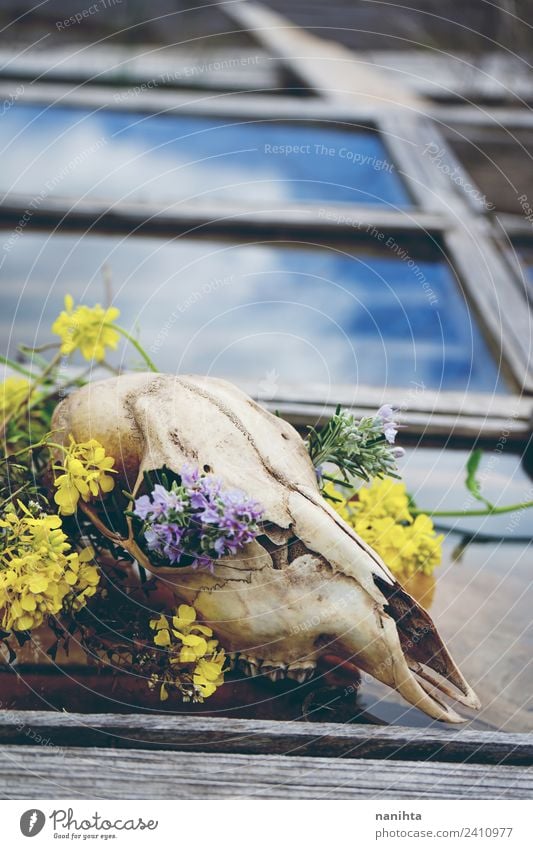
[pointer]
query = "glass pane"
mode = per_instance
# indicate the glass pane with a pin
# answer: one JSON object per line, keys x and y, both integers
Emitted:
{"x": 258, "y": 312}
{"x": 124, "y": 156}
{"x": 480, "y": 602}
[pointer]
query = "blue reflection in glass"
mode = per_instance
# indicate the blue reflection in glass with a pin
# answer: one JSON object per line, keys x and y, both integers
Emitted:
{"x": 167, "y": 159}
{"x": 266, "y": 314}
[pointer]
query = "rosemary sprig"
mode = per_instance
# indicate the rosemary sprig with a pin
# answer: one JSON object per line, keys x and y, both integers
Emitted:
{"x": 357, "y": 448}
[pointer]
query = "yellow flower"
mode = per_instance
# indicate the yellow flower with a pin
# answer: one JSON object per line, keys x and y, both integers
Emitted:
{"x": 380, "y": 515}
{"x": 383, "y": 499}
{"x": 86, "y": 474}
{"x": 84, "y": 328}
{"x": 186, "y": 621}
{"x": 39, "y": 574}
{"x": 13, "y": 393}
{"x": 208, "y": 674}
{"x": 185, "y": 640}
{"x": 157, "y": 624}
{"x": 194, "y": 647}
{"x": 162, "y": 638}
{"x": 185, "y": 618}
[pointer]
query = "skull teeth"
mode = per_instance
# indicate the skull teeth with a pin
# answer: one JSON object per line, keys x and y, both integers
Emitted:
{"x": 274, "y": 672}
{"x": 249, "y": 666}
{"x": 302, "y": 671}
{"x": 252, "y": 667}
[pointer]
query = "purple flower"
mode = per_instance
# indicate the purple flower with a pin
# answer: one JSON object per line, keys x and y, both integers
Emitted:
{"x": 220, "y": 546}
{"x": 165, "y": 500}
{"x": 211, "y": 485}
{"x": 390, "y": 428}
{"x": 173, "y": 548}
{"x": 203, "y": 562}
{"x": 158, "y": 504}
{"x": 143, "y": 507}
{"x": 210, "y": 515}
{"x": 153, "y": 538}
{"x": 212, "y": 522}
{"x": 386, "y": 412}
{"x": 198, "y": 500}
{"x": 237, "y": 502}
{"x": 165, "y": 540}
{"x": 189, "y": 476}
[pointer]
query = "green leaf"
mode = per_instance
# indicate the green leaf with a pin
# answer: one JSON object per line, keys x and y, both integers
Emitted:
{"x": 471, "y": 481}
{"x": 472, "y": 465}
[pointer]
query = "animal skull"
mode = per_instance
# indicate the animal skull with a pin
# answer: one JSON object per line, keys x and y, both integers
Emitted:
{"x": 308, "y": 585}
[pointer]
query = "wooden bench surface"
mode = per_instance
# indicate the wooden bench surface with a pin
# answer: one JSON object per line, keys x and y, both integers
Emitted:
{"x": 55, "y": 755}
{"x": 32, "y": 772}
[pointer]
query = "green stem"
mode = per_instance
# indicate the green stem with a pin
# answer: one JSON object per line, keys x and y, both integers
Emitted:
{"x": 34, "y": 384}
{"x": 14, "y": 495}
{"x": 15, "y": 366}
{"x": 474, "y": 536}
{"x": 47, "y": 371}
{"x": 79, "y": 380}
{"x": 59, "y": 447}
{"x": 40, "y": 349}
{"x": 22, "y": 451}
{"x": 509, "y": 508}
{"x": 42, "y": 377}
{"x": 337, "y": 481}
{"x": 151, "y": 365}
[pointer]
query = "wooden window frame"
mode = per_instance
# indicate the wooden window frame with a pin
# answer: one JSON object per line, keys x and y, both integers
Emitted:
{"x": 439, "y": 209}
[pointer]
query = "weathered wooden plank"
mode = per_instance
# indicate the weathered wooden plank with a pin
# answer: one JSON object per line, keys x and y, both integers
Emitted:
{"x": 421, "y": 399}
{"x": 485, "y": 116}
{"x": 444, "y": 428}
{"x": 494, "y": 75}
{"x": 27, "y": 773}
{"x": 325, "y": 66}
{"x": 348, "y": 222}
{"x": 514, "y": 225}
{"x": 490, "y": 285}
{"x": 48, "y": 729}
{"x": 149, "y": 68}
{"x": 159, "y": 101}
{"x": 155, "y": 101}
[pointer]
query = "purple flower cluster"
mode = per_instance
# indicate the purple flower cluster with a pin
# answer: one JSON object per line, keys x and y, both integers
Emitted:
{"x": 390, "y": 428}
{"x": 196, "y": 521}
{"x": 387, "y": 415}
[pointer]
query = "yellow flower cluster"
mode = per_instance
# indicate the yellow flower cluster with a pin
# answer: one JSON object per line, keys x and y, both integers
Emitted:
{"x": 86, "y": 329}
{"x": 187, "y": 641}
{"x": 380, "y": 515}
{"x": 85, "y": 474}
{"x": 13, "y": 392}
{"x": 39, "y": 574}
